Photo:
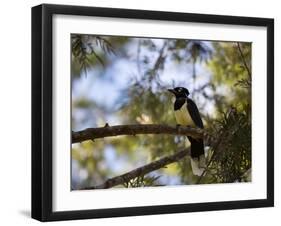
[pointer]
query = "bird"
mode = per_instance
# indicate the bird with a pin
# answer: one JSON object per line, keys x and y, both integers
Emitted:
{"x": 187, "y": 114}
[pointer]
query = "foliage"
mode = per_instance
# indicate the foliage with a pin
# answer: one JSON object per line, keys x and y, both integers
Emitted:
{"x": 90, "y": 51}
{"x": 231, "y": 153}
{"x": 142, "y": 181}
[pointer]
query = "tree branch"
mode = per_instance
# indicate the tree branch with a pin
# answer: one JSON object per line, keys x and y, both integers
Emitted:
{"x": 141, "y": 171}
{"x": 109, "y": 131}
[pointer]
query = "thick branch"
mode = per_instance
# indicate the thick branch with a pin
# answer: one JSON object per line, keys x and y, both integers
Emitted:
{"x": 141, "y": 171}
{"x": 109, "y": 131}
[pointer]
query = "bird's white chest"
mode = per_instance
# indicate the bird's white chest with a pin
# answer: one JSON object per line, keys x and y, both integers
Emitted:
{"x": 183, "y": 117}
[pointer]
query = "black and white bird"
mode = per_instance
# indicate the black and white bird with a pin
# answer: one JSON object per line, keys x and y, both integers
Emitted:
{"x": 187, "y": 114}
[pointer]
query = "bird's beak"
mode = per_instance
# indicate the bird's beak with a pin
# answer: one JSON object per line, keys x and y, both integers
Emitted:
{"x": 172, "y": 91}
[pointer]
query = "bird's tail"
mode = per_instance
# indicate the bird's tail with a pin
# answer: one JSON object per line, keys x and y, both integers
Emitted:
{"x": 198, "y": 165}
{"x": 198, "y": 159}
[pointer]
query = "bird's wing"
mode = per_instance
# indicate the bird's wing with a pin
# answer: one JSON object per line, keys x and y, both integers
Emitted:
{"x": 194, "y": 113}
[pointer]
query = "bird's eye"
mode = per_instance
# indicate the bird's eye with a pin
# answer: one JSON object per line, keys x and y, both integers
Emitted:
{"x": 180, "y": 89}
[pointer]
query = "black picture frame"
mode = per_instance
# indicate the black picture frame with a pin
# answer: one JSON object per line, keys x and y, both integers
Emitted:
{"x": 42, "y": 107}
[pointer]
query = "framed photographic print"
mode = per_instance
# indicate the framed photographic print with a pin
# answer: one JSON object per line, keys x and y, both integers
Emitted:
{"x": 146, "y": 112}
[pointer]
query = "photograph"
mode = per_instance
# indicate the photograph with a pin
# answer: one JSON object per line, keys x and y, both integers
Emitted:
{"x": 154, "y": 111}
{"x": 146, "y": 112}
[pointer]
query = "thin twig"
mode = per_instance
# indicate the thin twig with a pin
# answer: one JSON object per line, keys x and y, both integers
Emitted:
{"x": 244, "y": 60}
{"x": 210, "y": 161}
